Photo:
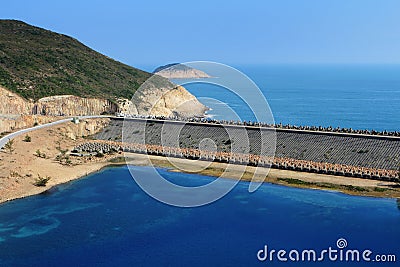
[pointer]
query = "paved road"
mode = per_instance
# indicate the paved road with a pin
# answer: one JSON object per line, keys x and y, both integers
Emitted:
{"x": 5, "y": 139}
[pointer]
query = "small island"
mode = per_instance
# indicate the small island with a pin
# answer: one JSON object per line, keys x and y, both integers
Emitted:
{"x": 180, "y": 71}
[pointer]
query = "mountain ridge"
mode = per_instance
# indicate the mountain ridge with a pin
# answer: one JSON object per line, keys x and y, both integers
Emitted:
{"x": 36, "y": 63}
{"x": 43, "y": 73}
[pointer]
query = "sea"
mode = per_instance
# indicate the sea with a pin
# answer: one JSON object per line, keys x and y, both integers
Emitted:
{"x": 106, "y": 219}
{"x": 349, "y": 96}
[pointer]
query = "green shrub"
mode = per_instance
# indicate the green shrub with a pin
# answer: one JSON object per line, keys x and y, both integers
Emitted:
{"x": 10, "y": 145}
{"x": 355, "y": 188}
{"x": 379, "y": 189}
{"x": 40, "y": 154}
{"x": 27, "y": 139}
{"x": 41, "y": 181}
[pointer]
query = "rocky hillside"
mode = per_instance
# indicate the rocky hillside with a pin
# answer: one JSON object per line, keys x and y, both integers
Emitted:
{"x": 180, "y": 71}
{"x": 37, "y": 63}
{"x": 17, "y": 112}
{"x": 64, "y": 105}
{"x": 46, "y": 73}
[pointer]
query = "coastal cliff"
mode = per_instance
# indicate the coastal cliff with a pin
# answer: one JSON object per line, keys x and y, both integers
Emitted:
{"x": 168, "y": 100}
{"x": 43, "y": 73}
{"x": 13, "y": 104}
{"x": 16, "y": 112}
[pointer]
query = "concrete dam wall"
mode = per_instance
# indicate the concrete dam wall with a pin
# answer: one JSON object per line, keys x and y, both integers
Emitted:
{"x": 344, "y": 149}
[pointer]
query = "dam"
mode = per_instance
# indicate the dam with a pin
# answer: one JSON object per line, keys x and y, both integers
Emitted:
{"x": 346, "y": 154}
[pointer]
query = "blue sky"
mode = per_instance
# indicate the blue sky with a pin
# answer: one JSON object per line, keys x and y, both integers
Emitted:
{"x": 150, "y": 33}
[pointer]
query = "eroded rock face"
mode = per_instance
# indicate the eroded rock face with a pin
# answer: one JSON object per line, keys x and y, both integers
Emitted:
{"x": 126, "y": 106}
{"x": 83, "y": 128}
{"x": 169, "y": 100}
{"x": 12, "y": 104}
{"x": 176, "y": 101}
{"x": 180, "y": 102}
{"x": 17, "y": 112}
{"x": 69, "y": 105}
{"x": 65, "y": 105}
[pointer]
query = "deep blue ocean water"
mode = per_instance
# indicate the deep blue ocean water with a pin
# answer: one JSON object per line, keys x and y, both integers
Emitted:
{"x": 105, "y": 219}
{"x": 351, "y": 96}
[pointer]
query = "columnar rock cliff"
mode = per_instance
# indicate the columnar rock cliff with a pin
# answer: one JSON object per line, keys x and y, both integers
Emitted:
{"x": 66, "y": 105}
{"x": 12, "y": 104}
{"x": 16, "y": 112}
{"x": 69, "y": 105}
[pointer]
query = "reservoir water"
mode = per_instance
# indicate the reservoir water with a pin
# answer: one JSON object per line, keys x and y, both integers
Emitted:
{"x": 105, "y": 219}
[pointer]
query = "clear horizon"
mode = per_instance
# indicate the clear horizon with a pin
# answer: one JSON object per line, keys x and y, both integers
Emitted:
{"x": 146, "y": 35}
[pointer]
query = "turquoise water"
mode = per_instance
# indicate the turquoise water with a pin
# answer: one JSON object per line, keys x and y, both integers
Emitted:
{"x": 351, "y": 96}
{"x": 106, "y": 220}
